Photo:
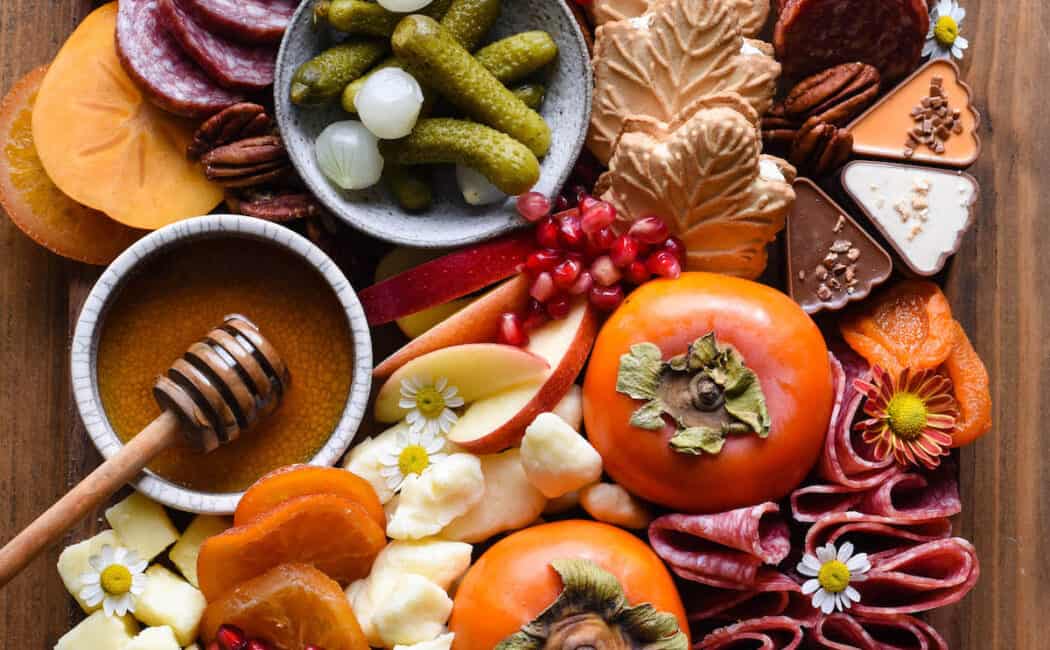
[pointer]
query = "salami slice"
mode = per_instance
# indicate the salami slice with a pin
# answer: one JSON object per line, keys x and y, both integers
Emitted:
{"x": 874, "y": 533}
{"x": 247, "y": 21}
{"x": 902, "y": 497}
{"x": 233, "y": 65}
{"x": 847, "y": 632}
{"x": 775, "y": 594}
{"x": 162, "y": 70}
{"x": 769, "y": 633}
{"x": 813, "y": 35}
{"x": 724, "y": 550}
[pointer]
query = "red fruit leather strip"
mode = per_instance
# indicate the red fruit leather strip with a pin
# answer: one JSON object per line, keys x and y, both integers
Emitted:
{"x": 722, "y": 550}
{"x": 243, "y": 67}
{"x": 473, "y": 269}
{"x": 768, "y": 633}
{"x": 918, "y": 579}
{"x": 247, "y": 21}
{"x": 874, "y": 533}
{"x": 848, "y": 632}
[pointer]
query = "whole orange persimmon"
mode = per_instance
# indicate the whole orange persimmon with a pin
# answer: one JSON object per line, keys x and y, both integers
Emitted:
{"x": 708, "y": 393}
{"x": 521, "y": 576}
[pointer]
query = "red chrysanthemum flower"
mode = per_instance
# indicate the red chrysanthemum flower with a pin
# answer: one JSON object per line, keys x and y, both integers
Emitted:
{"x": 911, "y": 416}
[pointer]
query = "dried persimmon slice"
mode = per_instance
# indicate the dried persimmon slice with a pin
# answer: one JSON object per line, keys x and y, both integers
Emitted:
{"x": 293, "y": 481}
{"x": 970, "y": 381}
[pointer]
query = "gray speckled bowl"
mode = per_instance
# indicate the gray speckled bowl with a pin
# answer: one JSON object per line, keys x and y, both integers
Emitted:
{"x": 450, "y": 222}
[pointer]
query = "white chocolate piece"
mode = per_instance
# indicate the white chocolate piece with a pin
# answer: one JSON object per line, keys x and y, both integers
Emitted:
{"x": 611, "y": 504}
{"x": 432, "y": 500}
{"x": 142, "y": 525}
{"x": 74, "y": 562}
{"x": 511, "y": 502}
{"x": 557, "y": 459}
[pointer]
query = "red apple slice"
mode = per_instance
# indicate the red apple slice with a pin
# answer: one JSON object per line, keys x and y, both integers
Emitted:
{"x": 498, "y": 422}
{"x": 478, "y": 322}
{"x": 446, "y": 278}
{"x": 477, "y": 370}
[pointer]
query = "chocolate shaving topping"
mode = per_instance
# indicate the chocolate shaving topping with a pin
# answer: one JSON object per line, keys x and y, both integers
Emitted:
{"x": 935, "y": 121}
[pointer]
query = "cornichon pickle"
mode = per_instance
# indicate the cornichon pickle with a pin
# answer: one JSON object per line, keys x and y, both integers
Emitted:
{"x": 327, "y": 74}
{"x": 507, "y": 163}
{"x": 409, "y": 188}
{"x": 468, "y": 21}
{"x": 368, "y": 18}
{"x": 427, "y": 50}
{"x": 531, "y": 94}
{"x": 516, "y": 57}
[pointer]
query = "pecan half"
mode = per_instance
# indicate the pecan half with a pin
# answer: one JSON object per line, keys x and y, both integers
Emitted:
{"x": 834, "y": 96}
{"x": 278, "y": 205}
{"x": 240, "y": 121}
{"x": 821, "y": 148}
{"x": 244, "y": 163}
{"x": 779, "y": 130}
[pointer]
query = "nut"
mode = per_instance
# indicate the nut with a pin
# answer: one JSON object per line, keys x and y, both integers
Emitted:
{"x": 821, "y": 148}
{"x": 279, "y": 206}
{"x": 778, "y": 130}
{"x": 254, "y": 161}
{"x": 238, "y": 122}
{"x": 834, "y": 96}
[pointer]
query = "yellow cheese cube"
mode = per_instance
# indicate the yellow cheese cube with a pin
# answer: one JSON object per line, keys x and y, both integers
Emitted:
{"x": 154, "y": 638}
{"x": 73, "y": 562}
{"x": 170, "y": 600}
{"x": 99, "y": 632}
{"x": 184, "y": 553}
{"x": 142, "y": 525}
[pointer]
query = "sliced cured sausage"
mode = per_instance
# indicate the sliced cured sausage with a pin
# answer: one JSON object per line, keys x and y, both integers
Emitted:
{"x": 847, "y": 632}
{"x": 768, "y": 633}
{"x": 775, "y": 594}
{"x": 159, "y": 66}
{"x": 902, "y": 496}
{"x": 812, "y": 35}
{"x": 874, "y": 533}
{"x": 248, "y": 21}
{"x": 231, "y": 64}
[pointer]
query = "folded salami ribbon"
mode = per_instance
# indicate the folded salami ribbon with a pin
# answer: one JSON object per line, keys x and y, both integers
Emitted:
{"x": 848, "y": 632}
{"x": 767, "y": 633}
{"x": 874, "y": 533}
{"x": 776, "y": 594}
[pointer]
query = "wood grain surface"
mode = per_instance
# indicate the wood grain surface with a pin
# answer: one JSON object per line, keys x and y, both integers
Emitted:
{"x": 998, "y": 285}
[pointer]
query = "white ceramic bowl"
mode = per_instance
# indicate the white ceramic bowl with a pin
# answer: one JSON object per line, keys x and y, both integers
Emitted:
{"x": 89, "y": 327}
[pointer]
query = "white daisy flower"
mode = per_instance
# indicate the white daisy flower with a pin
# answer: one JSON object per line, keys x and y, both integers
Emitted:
{"x": 430, "y": 404}
{"x": 116, "y": 579}
{"x": 944, "y": 39}
{"x": 414, "y": 453}
{"x": 830, "y": 573}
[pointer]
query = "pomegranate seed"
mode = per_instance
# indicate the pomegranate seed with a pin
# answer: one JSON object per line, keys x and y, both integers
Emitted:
{"x": 605, "y": 272}
{"x": 230, "y": 638}
{"x": 664, "y": 264}
{"x": 602, "y": 240}
{"x": 606, "y": 298}
{"x": 542, "y": 260}
{"x": 581, "y": 193}
{"x": 583, "y": 284}
{"x": 597, "y": 216}
{"x": 676, "y": 247}
{"x": 511, "y": 330}
{"x": 624, "y": 251}
{"x": 214, "y": 645}
{"x": 561, "y": 203}
{"x": 637, "y": 273}
{"x": 535, "y": 315}
{"x": 542, "y": 287}
{"x": 570, "y": 233}
{"x": 649, "y": 230}
{"x": 559, "y": 306}
{"x": 256, "y": 644}
{"x": 565, "y": 274}
{"x": 533, "y": 206}
{"x": 547, "y": 233}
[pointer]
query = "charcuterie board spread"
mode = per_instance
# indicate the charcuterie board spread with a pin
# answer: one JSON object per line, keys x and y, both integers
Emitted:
{"x": 687, "y": 379}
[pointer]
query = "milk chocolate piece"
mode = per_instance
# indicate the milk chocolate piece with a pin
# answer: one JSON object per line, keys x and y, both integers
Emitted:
{"x": 831, "y": 259}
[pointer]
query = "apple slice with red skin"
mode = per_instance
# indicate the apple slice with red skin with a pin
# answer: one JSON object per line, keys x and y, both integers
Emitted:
{"x": 478, "y": 322}
{"x": 498, "y": 422}
{"x": 453, "y": 276}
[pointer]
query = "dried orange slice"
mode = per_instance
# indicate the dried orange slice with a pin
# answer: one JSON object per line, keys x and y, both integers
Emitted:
{"x": 908, "y": 325}
{"x": 35, "y": 204}
{"x": 293, "y": 481}
{"x": 330, "y": 532}
{"x": 293, "y": 606}
{"x": 105, "y": 145}
{"x": 970, "y": 381}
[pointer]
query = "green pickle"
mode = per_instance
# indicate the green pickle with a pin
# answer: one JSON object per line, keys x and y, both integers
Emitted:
{"x": 409, "y": 187}
{"x": 531, "y": 95}
{"x": 516, "y": 57}
{"x": 428, "y": 50}
{"x": 507, "y": 163}
{"x": 327, "y": 74}
{"x": 468, "y": 21}
{"x": 368, "y": 18}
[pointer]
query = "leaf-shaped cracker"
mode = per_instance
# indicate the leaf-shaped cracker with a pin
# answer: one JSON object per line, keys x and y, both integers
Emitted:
{"x": 661, "y": 63}
{"x": 704, "y": 173}
{"x": 752, "y": 13}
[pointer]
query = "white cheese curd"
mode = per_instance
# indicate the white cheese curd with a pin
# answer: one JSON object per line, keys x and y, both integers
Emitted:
{"x": 557, "y": 459}
{"x": 430, "y": 501}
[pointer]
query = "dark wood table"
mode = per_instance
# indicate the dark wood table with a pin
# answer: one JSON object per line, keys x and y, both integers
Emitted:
{"x": 997, "y": 284}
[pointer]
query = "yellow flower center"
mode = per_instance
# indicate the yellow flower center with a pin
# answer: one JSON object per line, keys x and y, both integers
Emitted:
{"x": 413, "y": 460}
{"x": 834, "y": 577}
{"x": 430, "y": 402}
{"x": 116, "y": 579}
{"x": 946, "y": 31}
{"x": 907, "y": 413}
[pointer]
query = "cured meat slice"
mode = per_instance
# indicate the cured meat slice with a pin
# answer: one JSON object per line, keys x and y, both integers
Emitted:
{"x": 248, "y": 21}
{"x": 775, "y": 594}
{"x": 847, "y": 632}
{"x": 874, "y": 533}
{"x": 233, "y": 65}
{"x": 903, "y": 497}
{"x": 161, "y": 69}
{"x": 813, "y": 35}
{"x": 769, "y": 633}
{"x": 723, "y": 550}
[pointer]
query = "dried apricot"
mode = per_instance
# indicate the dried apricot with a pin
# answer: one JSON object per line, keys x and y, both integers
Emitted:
{"x": 909, "y": 325}
{"x": 35, "y": 204}
{"x": 293, "y": 481}
{"x": 330, "y": 532}
{"x": 970, "y": 380}
{"x": 293, "y": 606}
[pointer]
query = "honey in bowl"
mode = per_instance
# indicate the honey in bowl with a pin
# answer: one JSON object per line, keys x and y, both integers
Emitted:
{"x": 184, "y": 292}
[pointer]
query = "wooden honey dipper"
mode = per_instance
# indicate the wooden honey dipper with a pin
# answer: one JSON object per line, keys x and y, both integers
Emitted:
{"x": 222, "y": 386}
